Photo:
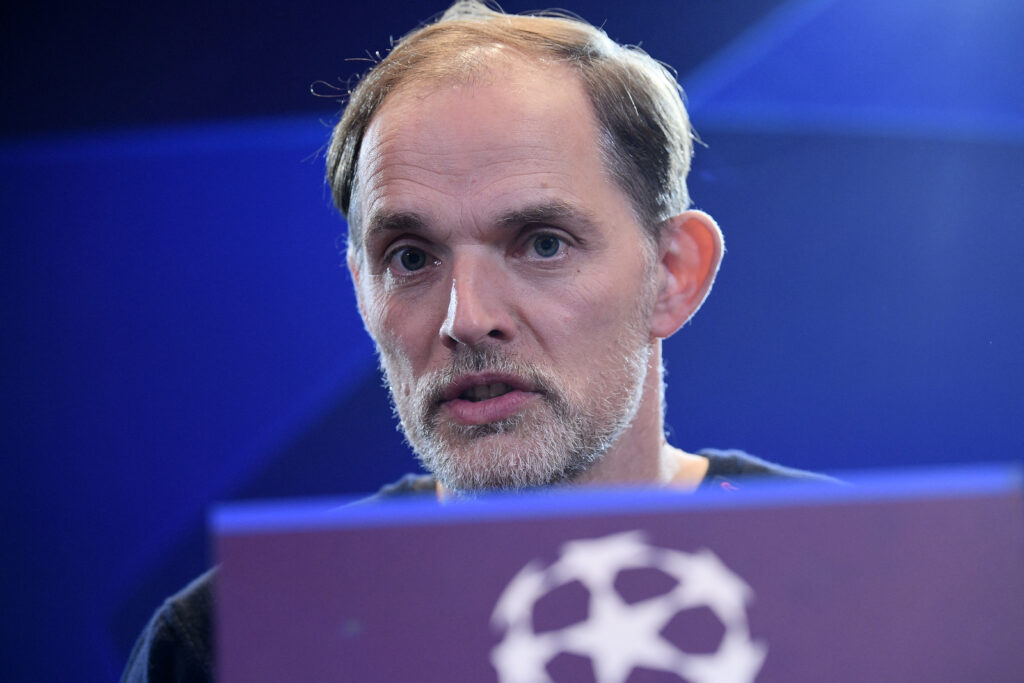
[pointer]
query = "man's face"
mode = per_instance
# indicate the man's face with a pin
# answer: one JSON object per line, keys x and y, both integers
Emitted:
{"x": 504, "y": 278}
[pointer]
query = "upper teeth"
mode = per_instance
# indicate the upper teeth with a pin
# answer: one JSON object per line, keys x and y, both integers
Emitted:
{"x": 482, "y": 392}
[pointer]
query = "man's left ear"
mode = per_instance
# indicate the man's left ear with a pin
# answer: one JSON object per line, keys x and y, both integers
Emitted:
{"x": 690, "y": 252}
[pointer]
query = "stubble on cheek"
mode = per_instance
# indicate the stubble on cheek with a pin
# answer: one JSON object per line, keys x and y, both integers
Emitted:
{"x": 511, "y": 453}
{"x": 551, "y": 441}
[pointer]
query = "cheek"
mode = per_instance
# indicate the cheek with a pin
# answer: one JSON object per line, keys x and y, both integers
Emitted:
{"x": 379, "y": 316}
{"x": 599, "y": 308}
{"x": 405, "y": 330}
{"x": 372, "y": 306}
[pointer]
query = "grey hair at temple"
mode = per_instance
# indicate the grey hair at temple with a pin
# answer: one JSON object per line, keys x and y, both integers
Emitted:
{"x": 647, "y": 140}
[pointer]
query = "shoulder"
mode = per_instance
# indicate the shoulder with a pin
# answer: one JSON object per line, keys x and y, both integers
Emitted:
{"x": 176, "y": 645}
{"x": 728, "y": 467}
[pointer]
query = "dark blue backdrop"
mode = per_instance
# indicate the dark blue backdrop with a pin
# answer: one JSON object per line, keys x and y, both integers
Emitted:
{"x": 178, "y": 328}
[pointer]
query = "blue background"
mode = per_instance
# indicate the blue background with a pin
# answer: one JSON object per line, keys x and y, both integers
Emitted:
{"x": 178, "y": 327}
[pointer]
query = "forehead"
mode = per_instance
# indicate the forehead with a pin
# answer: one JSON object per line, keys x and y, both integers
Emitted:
{"x": 518, "y": 133}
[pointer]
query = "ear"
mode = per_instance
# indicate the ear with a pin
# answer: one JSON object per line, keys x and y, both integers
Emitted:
{"x": 689, "y": 254}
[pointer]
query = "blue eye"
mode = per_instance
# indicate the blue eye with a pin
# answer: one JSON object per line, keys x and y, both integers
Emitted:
{"x": 411, "y": 258}
{"x": 547, "y": 246}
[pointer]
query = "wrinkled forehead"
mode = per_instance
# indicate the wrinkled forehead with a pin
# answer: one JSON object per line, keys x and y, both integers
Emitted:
{"x": 525, "y": 94}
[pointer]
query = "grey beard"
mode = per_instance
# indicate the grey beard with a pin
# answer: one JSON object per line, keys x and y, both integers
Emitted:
{"x": 558, "y": 440}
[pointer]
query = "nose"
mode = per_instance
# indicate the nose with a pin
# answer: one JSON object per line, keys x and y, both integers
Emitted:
{"x": 478, "y": 305}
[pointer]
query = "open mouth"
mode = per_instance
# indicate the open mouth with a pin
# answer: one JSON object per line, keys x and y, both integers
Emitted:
{"x": 486, "y": 397}
{"x": 482, "y": 392}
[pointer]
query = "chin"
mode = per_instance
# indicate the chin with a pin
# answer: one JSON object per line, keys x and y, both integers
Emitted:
{"x": 504, "y": 461}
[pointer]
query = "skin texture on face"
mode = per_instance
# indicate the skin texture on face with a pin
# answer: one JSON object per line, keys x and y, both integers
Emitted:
{"x": 506, "y": 281}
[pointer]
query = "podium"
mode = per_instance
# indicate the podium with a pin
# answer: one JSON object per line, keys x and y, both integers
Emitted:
{"x": 901, "y": 576}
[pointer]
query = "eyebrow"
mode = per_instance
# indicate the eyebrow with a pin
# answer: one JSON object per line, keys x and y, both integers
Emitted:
{"x": 546, "y": 212}
{"x": 388, "y": 221}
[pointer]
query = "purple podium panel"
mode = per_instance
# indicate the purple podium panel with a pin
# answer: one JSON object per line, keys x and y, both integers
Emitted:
{"x": 913, "y": 576}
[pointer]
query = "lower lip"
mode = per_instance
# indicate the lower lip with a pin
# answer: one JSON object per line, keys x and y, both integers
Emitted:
{"x": 491, "y": 410}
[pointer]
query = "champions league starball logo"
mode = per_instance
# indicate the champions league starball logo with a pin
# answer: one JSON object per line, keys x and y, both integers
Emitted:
{"x": 616, "y": 632}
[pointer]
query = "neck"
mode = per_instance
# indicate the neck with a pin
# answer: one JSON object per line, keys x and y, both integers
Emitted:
{"x": 642, "y": 455}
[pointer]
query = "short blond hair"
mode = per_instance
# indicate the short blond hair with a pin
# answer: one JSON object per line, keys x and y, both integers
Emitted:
{"x": 646, "y": 137}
